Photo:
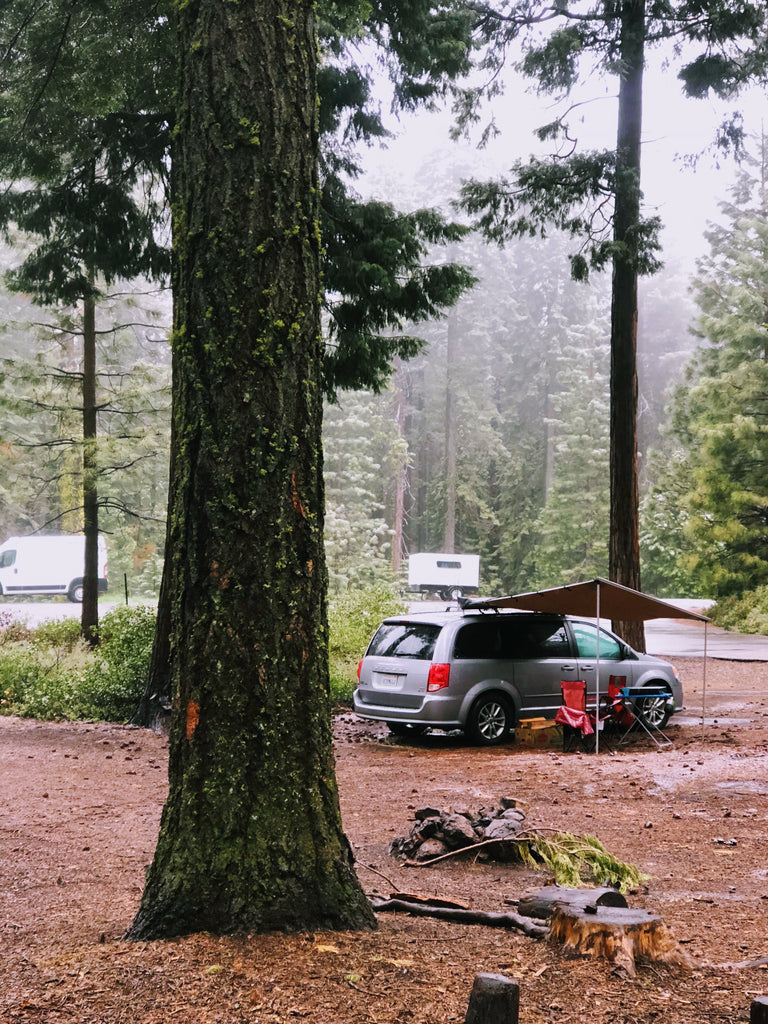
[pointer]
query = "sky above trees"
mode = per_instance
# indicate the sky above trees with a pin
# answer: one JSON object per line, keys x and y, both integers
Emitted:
{"x": 675, "y": 129}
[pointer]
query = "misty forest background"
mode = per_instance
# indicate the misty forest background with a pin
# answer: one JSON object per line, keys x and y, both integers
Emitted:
{"x": 493, "y": 439}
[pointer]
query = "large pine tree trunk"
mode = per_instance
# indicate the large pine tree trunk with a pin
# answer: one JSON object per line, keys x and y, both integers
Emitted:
{"x": 624, "y": 553}
{"x": 251, "y": 835}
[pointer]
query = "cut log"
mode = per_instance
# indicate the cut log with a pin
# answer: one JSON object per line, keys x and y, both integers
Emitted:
{"x": 541, "y": 903}
{"x": 618, "y": 934}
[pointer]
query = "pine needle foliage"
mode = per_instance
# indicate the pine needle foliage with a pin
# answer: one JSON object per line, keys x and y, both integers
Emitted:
{"x": 577, "y": 861}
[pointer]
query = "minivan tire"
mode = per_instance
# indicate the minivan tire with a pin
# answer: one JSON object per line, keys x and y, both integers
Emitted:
{"x": 75, "y": 592}
{"x": 654, "y": 711}
{"x": 490, "y": 720}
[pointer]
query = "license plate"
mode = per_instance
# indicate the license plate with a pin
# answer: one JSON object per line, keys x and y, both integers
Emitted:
{"x": 386, "y": 681}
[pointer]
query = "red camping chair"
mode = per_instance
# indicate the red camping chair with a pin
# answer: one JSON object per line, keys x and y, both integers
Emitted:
{"x": 578, "y": 727}
{"x": 618, "y": 711}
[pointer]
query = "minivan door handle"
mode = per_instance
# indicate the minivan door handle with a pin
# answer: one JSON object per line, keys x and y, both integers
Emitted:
{"x": 587, "y": 668}
{"x": 567, "y": 668}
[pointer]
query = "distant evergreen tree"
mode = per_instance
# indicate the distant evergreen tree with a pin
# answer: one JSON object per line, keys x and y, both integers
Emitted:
{"x": 596, "y": 196}
{"x": 79, "y": 153}
{"x": 573, "y": 525}
{"x": 722, "y": 413}
{"x": 357, "y": 435}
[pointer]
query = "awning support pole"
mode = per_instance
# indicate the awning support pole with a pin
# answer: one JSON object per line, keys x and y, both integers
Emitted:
{"x": 597, "y": 673}
{"x": 704, "y": 684}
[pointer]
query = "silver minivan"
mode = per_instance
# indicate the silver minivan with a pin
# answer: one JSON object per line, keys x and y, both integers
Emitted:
{"x": 483, "y": 672}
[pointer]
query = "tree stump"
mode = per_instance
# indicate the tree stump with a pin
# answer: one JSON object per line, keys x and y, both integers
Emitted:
{"x": 495, "y": 999}
{"x": 618, "y": 934}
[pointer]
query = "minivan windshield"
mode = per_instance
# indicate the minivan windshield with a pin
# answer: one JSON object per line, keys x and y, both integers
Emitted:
{"x": 405, "y": 640}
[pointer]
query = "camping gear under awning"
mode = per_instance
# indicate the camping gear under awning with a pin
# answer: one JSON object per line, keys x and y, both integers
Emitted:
{"x": 595, "y": 599}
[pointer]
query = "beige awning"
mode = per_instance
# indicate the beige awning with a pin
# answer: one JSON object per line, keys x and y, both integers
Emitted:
{"x": 621, "y": 604}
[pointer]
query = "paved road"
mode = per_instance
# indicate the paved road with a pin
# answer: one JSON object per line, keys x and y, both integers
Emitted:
{"x": 685, "y": 639}
{"x": 674, "y": 637}
{"x": 35, "y": 612}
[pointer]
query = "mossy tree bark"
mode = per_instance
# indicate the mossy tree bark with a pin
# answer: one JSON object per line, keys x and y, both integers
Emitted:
{"x": 251, "y": 835}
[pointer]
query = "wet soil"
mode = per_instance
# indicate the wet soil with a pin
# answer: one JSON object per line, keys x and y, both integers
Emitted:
{"x": 79, "y": 812}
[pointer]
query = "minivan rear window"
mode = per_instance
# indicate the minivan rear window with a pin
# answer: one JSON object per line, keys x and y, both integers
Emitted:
{"x": 405, "y": 640}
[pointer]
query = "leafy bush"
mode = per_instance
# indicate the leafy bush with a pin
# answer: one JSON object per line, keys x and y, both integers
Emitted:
{"x": 745, "y": 614}
{"x": 114, "y": 680}
{"x": 62, "y": 633}
{"x": 49, "y": 673}
{"x": 41, "y": 681}
{"x": 353, "y": 617}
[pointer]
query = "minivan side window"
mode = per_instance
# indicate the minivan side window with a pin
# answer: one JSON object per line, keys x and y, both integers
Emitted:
{"x": 478, "y": 640}
{"x": 508, "y": 638}
{"x": 7, "y": 558}
{"x": 405, "y": 640}
{"x": 542, "y": 638}
{"x": 610, "y": 649}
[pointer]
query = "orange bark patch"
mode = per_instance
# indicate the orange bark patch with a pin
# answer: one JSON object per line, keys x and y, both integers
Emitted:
{"x": 297, "y": 502}
{"x": 193, "y": 717}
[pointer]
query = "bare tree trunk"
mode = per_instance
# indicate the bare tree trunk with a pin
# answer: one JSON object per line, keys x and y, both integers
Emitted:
{"x": 624, "y": 553}
{"x": 401, "y": 471}
{"x": 451, "y": 442}
{"x": 89, "y": 622}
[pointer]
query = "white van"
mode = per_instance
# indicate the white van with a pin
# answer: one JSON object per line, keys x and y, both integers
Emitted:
{"x": 47, "y": 564}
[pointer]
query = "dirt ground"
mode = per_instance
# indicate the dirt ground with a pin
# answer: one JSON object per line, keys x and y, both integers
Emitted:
{"x": 79, "y": 813}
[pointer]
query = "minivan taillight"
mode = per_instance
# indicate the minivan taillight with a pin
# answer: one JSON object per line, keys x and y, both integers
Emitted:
{"x": 359, "y": 667}
{"x": 438, "y": 677}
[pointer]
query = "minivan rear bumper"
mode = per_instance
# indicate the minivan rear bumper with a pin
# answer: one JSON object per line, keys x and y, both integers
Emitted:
{"x": 437, "y": 711}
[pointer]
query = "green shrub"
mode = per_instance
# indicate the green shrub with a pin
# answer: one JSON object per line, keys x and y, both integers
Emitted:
{"x": 745, "y": 614}
{"x": 61, "y": 633}
{"x": 41, "y": 682}
{"x": 50, "y": 673}
{"x": 114, "y": 680}
{"x": 353, "y": 618}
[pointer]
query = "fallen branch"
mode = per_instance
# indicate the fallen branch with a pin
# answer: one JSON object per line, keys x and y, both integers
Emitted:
{"x": 526, "y": 925}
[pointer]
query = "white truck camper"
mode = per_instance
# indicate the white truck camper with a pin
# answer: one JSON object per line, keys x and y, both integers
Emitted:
{"x": 47, "y": 564}
{"x": 450, "y": 576}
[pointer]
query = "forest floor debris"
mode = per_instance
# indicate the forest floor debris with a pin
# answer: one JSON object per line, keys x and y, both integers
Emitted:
{"x": 79, "y": 812}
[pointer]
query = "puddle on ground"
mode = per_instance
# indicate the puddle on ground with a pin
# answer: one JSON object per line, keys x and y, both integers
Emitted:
{"x": 745, "y": 787}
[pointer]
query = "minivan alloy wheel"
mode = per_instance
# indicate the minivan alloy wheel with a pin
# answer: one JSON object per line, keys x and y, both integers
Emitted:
{"x": 654, "y": 711}
{"x": 489, "y": 720}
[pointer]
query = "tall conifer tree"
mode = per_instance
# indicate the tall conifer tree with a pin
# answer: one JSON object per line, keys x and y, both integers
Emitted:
{"x": 597, "y": 196}
{"x": 250, "y": 837}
